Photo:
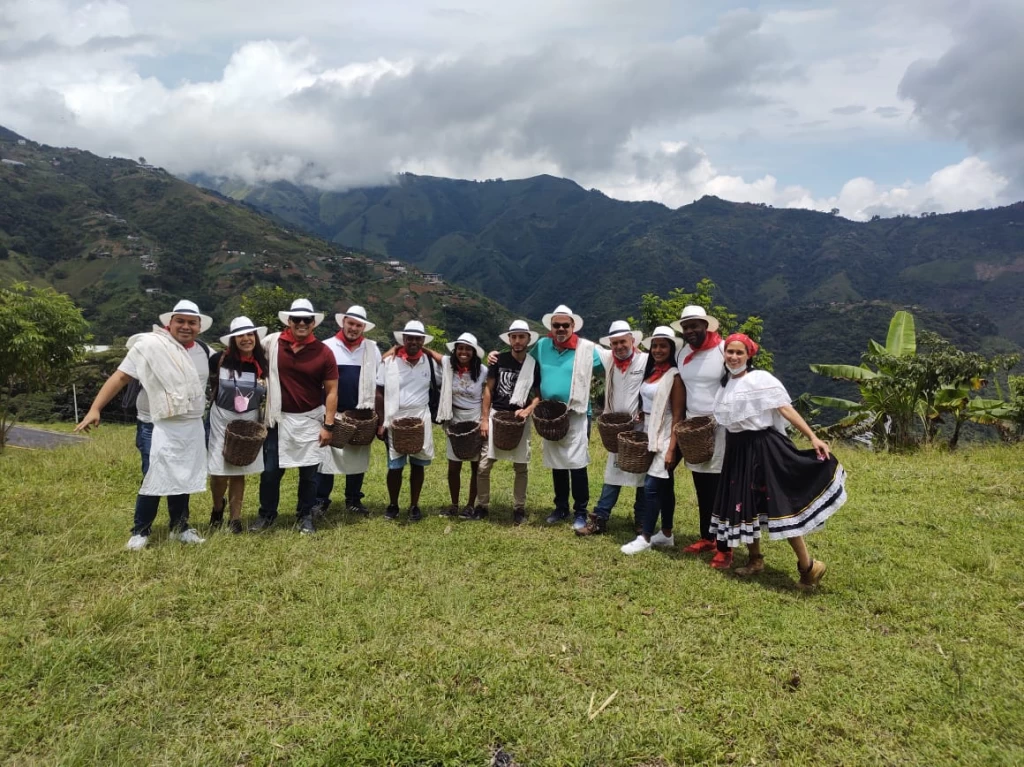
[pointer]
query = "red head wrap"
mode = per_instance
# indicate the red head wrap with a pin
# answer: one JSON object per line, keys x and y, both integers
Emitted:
{"x": 745, "y": 340}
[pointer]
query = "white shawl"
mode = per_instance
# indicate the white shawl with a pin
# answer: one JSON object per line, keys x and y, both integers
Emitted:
{"x": 368, "y": 377}
{"x": 392, "y": 391}
{"x": 166, "y": 373}
{"x": 658, "y": 434}
{"x": 582, "y": 373}
{"x": 273, "y": 402}
{"x": 524, "y": 383}
{"x": 444, "y": 407}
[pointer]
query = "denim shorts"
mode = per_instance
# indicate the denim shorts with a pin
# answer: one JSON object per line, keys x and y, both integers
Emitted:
{"x": 399, "y": 463}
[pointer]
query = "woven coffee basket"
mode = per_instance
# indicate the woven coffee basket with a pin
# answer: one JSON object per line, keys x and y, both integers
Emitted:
{"x": 407, "y": 435}
{"x": 243, "y": 441}
{"x": 610, "y": 425}
{"x": 507, "y": 429}
{"x": 465, "y": 440}
{"x": 696, "y": 438}
{"x": 551, "y": 418}
{"x": 634, "y": 457}
{"x": 363, "y": 424}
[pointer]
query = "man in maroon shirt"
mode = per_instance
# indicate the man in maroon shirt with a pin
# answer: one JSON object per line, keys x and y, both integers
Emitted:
{"x": 302, "y": 398}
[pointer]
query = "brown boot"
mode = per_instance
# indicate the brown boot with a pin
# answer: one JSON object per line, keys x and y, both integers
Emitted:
{"x": 595, "y": 526}
{"x": 811, "y": 577}
{"x": 753, "y": 567}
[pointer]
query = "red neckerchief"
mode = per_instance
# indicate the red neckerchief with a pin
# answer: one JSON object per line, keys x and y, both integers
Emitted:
{"x": 623, "y": 365}
{"x": 658, "y": 372}
{"x": 570, "y": 344}
{"x": 459, "y": 370}
{"x": 402, "y": 354}
{"x": 711, "y": 340}
{"x": 187, "y": 346}
{"x": 340, "y": 335}
{"x": 288, "y": 337}
{"x": 252, "y": 361}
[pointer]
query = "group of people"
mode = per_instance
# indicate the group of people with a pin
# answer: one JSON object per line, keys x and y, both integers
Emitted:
{"x": 756, "y": 482}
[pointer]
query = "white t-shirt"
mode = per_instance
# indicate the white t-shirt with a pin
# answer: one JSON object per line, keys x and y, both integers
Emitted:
{"x": 200, "y": 358}
{"x": 702, "y": 377}
{"x": 413, "y": 382}
{"x": 468, "y": 394}
{"x": 647, "y": 391}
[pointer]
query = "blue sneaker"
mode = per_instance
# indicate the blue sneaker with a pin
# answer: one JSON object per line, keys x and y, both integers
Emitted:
{"x": 557, "y": 516}
{"x": 579, "y": 522}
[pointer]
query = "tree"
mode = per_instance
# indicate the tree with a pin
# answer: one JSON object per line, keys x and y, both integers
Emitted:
{"x": 42, "y": 334}
{"x": 439, "y": 341}
{"x": 261, "y": 305}
{"x": 655, "y": 310}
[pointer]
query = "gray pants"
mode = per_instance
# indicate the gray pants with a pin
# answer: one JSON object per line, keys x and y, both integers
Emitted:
{"x": 483, "y": 483}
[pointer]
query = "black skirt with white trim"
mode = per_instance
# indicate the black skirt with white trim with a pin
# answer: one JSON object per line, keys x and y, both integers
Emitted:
{"x": 767, "y": 482}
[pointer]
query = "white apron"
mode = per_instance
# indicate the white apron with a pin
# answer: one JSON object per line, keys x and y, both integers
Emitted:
{"x": 613, "y": 475}
{"x": 216, "y": 465}
{"x": 177, "y": 458}
{"x": 298, "y": 439}
{"x": 571, "y": 451}
{"x": 462, "y": 416}
{"x": 423, "y": 413}
{"x": 714, "y": 464}
{"x": 658, "y": 468}
{"x": 521, "y": 453}
{"x": 352, "y": 459}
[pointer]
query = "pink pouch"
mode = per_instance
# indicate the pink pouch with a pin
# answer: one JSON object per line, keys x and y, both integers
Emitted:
{"x": 242, "y": 402}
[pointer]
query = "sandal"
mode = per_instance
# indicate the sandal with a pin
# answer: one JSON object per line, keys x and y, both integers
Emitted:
{"x": 754, "y": 566}
{"x": 811, "y": 577}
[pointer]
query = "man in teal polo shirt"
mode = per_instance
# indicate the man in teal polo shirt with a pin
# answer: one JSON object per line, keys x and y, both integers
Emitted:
{"x": 564, "y": 379}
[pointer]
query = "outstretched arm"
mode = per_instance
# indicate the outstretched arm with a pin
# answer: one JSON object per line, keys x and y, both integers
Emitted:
{"x": 117, "y": 381}
{"x": 790, "y": 414}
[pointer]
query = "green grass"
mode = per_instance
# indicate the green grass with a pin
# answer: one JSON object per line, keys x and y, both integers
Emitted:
{"x": 377, "y": 643}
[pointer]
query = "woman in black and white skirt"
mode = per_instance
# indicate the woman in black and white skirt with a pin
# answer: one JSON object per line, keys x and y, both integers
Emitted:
{"x": 766, "y": 480}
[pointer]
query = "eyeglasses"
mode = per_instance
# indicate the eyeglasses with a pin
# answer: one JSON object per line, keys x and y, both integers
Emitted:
{"x": 561, "y": 325}
{"x": 301, "y": 319}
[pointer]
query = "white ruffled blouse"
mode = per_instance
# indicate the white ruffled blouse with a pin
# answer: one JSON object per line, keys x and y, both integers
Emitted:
{"x": 751, "y": 402}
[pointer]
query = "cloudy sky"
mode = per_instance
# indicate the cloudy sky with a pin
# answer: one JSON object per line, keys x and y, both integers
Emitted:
{"x": 870, "y": 106}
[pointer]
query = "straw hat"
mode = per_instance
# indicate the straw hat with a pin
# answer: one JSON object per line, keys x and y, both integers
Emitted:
{"x": 563, "y": 309}
{"x": 469, "y": 340}
{"x": 240, "y": 326}
{"x": 520, "y": 326}
{"x": 413, "y": 328}
{"x": 301, "y": 307}
{"x": 695, "y": 313}
{"x": 357, "y": 313}
{"x": 188, "y": 308}
{"x": 621, "y": 328}
{"x": 662, "y": 331}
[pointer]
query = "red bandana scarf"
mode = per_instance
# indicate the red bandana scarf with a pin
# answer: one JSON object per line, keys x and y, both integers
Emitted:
{"x": 711, "y": 340}
{"x": 402, "y": 354}
{"x": 658, "y": 372}
{"x": 252, "y": 361}
{"x": 570, "y": 344}
{"x": 288, "y": 337}
{"x": 623, "y": 365}
{"x": 340, "y": 335}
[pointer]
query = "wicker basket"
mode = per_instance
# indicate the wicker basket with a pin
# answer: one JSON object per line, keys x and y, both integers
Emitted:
{"x": 243, "y": 441}
{"x": 551, "y": 419}
{"x": 609, "y": 426}
{"x": 364, "y": 426}
{"x": 634, "y": 457}
{"x": 465, "y": 440}
{"x": 507, "y": 429}
{"x": 696, "y": 438}
{"x": 341, "y": 433}
{"x": 407, "y": 435}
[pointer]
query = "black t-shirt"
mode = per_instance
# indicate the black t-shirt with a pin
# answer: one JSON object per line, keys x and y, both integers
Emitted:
{"x": 505, "y": 373}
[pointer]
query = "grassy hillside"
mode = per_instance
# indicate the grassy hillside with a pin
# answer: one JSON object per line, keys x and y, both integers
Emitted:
{"x": 376, "y": 643}
{"x": 125, "y": 240}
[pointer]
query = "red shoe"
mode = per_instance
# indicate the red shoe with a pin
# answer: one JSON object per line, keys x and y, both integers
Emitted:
{"x": 699, "y": 547}
{"x": 722, "y": 560}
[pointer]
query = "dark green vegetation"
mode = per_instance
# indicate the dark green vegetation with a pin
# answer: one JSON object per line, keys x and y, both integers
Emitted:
{"x": 816, "y": 279}
{"x": 375, "y": 643}
{"x": 125, "y": 240}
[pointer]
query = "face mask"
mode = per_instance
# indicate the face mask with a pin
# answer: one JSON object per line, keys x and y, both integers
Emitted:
{"x": 242, "y": 402}
{"x": 736, "y": 368}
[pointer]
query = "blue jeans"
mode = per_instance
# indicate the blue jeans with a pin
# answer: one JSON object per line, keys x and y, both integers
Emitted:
{"x": 610, "y": 497}
{"x": 147, "y": 506}
{"x": 353, "y": 488}
{"x": 270, "y": 482}
{"x": 661, "y": 499}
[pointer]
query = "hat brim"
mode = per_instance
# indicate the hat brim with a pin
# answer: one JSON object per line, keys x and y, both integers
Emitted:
{"x": 577, "y": 321}
{"x": 452, "y": 344}
{"x": 711, "y": 321}
{"x": 646, "y": 343}
{"x": 318, "y": 317}
{"x": 205, "y": 322}
{"x": 637, "y": 337}
{"x": 340, "y": 319}
{"x": 534, "y": 336}
{"x": 400, "y": 337}
{"x": 260, "y": 332}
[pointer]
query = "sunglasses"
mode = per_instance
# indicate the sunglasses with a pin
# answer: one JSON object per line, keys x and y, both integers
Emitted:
{"x": 301, "y": 319}
{"x": 561, "y": 325}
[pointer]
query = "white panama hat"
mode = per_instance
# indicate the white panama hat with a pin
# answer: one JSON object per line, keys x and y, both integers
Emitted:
{"x": 357, "y": 313}
{"x": 469, "y": 340}
{"x": 563, "y": 309}
{"x": 413, "y": 328}
{"x": 621, "y": 328}
{"x": 695, "y": 313}
{"x": 662, "y": 331}
{"x": 520, "y": 326}
{"x": 303, "y": 308}
{"x": 240, "y": 326}
{"x": 189, "y": 308}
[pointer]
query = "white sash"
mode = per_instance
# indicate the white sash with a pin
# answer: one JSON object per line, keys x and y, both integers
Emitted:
{"x": 582, "y": 373}
{"x": 524, "y": 383}
{"x": 658, "y": 434}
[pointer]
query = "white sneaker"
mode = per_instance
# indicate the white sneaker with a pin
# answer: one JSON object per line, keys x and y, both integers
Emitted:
{"x": 137, "y": 542}
{"x": 188, "y": 536}
{"x": 662, "y": 540}
{"x": 635, "y": 547}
